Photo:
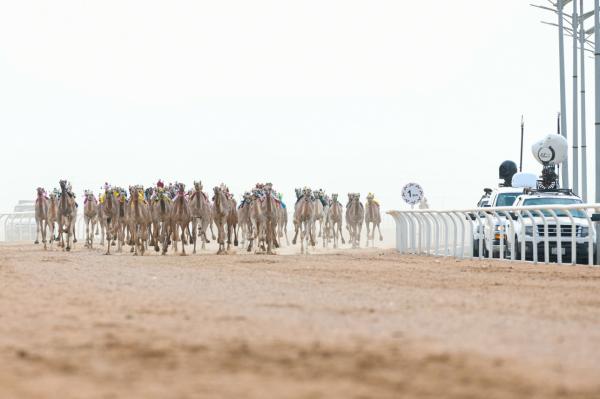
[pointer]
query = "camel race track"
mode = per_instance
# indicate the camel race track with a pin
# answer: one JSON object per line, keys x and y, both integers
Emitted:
{"x": 365, "y": 323}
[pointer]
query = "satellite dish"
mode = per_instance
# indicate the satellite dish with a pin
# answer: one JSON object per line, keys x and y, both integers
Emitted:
{"x": 507, "y": 171}
{"x": 524, "y": 180}
{"x": 551, "y": 149}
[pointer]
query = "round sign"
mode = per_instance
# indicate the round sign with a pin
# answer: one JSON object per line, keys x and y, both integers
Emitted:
{"x": 546, "y": 154}
{"x": 412, "y": 193}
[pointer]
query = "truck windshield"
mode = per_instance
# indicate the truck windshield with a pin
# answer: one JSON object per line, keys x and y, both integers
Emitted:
{"x": 506, "y": 199}
{"x": 555, "y": 201}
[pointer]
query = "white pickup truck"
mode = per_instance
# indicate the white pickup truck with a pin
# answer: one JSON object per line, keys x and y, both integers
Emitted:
{"x": 501, "y": 196}
{"x": 537, "y": 228}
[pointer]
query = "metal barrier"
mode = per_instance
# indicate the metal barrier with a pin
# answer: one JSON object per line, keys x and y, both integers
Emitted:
{"x": 557, "y": 233}
{"x": 20, "y": 226}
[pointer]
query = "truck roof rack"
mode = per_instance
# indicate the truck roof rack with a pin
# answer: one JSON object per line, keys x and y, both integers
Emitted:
{"x": 566, "y": 191}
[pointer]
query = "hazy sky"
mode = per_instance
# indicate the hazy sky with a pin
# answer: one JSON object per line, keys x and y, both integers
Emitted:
{"x": 344, "y": 95}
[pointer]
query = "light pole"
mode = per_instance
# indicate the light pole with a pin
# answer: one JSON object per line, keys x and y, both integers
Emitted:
{"x": 563, "y": 100}
{"x": 584, "y": 185}
{"x": 597, "y": 93}
{"x": 574, "y": 20}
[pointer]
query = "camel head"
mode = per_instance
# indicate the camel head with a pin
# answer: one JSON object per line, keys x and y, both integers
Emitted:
{"x": 198, "y": 185}
{"x": 63, "y": 184}
{"x": 307, "y": 193}
{"x": 89, "y": 195}
{"x": 334, "y": 197}
{"x": 353, "y": 197}
{"x": 370, "y": 197}
{"x": 40, "y": 191}
{"x": 268, "y": 188}
{"x": 180, "y": 189}
{"x": 53, "y": 195}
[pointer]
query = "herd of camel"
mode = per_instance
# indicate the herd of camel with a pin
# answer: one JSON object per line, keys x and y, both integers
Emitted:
{"x": 162, "y": 216}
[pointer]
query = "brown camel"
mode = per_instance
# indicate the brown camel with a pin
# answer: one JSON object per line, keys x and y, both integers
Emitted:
{"x": 335, "y": 217}
{"x": 101, "y": 226}
{"x": 355, "y": 213}
{"x": 271, "y": 216}
{"x": 90, "y": 217}
{"x": 304, "y": 214}
{"x": 122, "y": 225}
{"x": 201, "y": 214}
{"x": 232, "y": 221}
{"x": 256, "y": 222}
{"x": 282, "y": 221}
{"x": 67, "y": 214}
{"x": 110, "y": 216}
{"x": 221, "y": 212}
{"x": 41, "y": 216}
{"x": 244, "y": 224}
{"x": 52, "y": 215}
{"x": 373, "y": 217}
{"x": 161, "y": 219}
{"x": 139, "y": 219}
{"x": 180, "y": 217}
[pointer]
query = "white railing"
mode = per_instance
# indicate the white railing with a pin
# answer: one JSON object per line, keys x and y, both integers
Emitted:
{"x": 528, "y": 233}
{"x": 20, "y": 226}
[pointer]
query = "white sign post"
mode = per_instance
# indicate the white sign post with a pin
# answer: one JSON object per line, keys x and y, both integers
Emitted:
{"x": 412, "y": 194}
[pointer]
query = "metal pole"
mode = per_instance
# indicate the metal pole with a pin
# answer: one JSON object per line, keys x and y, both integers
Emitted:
{"x": 584, "y": 186}
{"x": 522, "y": 134}
{"x": 597, "y": 92}
{"x": 574, "y": 19}
{"x": 563, "y": 99}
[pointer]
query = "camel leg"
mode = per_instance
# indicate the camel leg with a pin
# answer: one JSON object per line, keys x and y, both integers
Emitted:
{"x": 108, "y": 237}
{"x": 194, "y": 236}
{"x": 379, "y": 229}
{"x": 94, "y": 226}
{"x": 302, "y": 235}
{"x": 204, "y": 238}
{"x": 295, "y": 234}
{"x": 235, "y": 236}
{"x": 182, "y": 238}
{"x": 37, "y": 231}
{"x": 68, "y": 244}
{"x": 143, "y": 239}
{"x": 341, "y": 231}
{"x": 87, "y": 232}
{"x": 212, "y": 233}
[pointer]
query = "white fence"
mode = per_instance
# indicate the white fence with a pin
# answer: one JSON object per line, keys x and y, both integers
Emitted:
{"x": 557, "y": 233}
{"x": 20, "y": 226}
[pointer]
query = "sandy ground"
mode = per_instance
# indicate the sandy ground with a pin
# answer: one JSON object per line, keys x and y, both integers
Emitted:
{"x": 345, "y": 324}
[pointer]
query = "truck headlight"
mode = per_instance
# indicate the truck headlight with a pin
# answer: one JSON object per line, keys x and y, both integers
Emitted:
{"x": 529, "y": 231}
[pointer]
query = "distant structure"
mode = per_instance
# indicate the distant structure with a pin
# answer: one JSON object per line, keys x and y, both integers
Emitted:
{"x": 19, "y": 225}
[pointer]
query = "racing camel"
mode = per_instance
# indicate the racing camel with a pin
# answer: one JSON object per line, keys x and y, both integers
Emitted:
{"x": 67, "y": 215}
{"x": 355, "y": 213}
{"x": 41, "y": 216}
{"x": 304, "y": 214}
{"x": 372, "y": 217}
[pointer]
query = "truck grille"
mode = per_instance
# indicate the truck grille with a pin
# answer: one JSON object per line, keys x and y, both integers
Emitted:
{"x": 565, "y": 230}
